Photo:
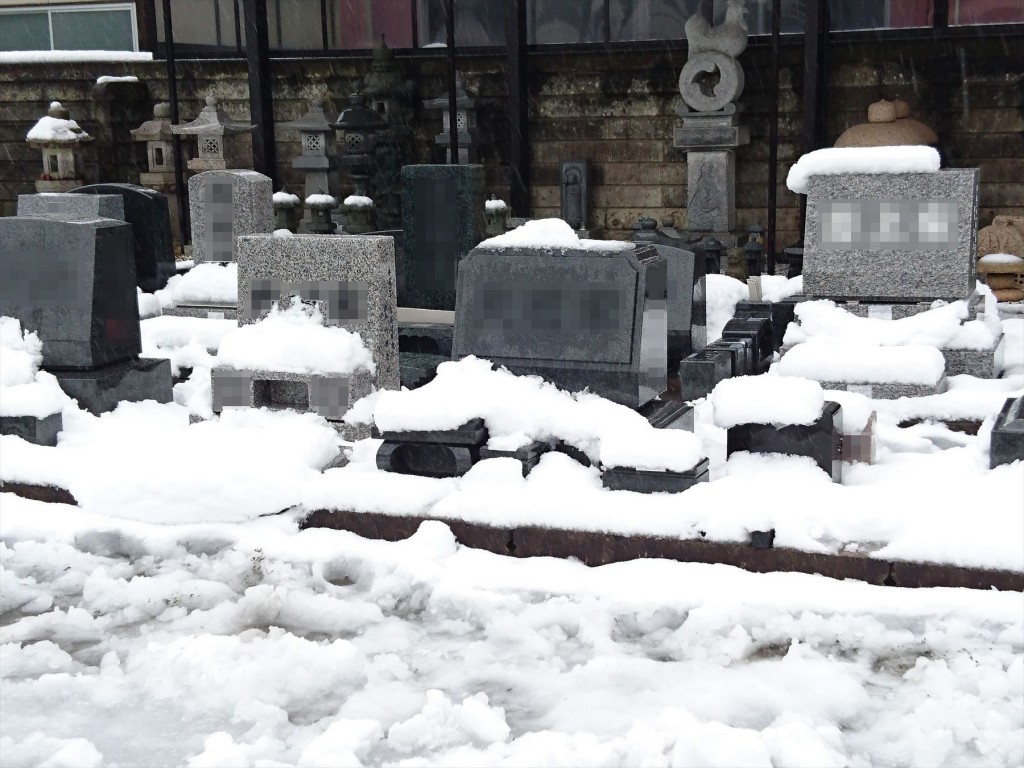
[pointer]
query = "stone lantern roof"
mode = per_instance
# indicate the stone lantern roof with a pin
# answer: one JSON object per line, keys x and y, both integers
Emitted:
{"x": 56, "y": 128}
{"x": 462, "y": 99}
{"x": 356, "y": 117}
{"x": 157, "y": 129}
{"x": 212, "y": 121}
{"x": 314, "y": 121}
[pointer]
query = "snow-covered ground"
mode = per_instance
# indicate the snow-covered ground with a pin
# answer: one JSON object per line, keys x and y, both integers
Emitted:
{"x": 128, "y": 644}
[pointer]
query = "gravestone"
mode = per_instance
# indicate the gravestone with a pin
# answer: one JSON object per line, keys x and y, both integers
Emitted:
{"x": 759, "y": 331}
{"x": 1007, "y": 441}
{"x": 352, "y": 278}
{"x": 70, "y": 204}
{"x": 148, "y": 213}
{"x": 821, "y": 441}
{"x": 443, "y": 218}
{"x": 899, "y": 238}
{"x": 72, "y": 281}
{"x": 580, "y": 318}
{"x": 687, "y": 303}
{"x": 224, "y": 205}
{"x": 700, "y": 372}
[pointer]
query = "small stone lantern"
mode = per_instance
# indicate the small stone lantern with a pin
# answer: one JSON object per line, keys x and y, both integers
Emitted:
{"x": 496, "y": 215}
{"x": 713, "y": 248}
{"x": 465, "y": 122}
{"x": 358, "y": 212}
{"x": 753, "y": 251}
{"x": 286, "y": 210}
{"x": 319, "y": 207}
{"x": 159, "y": 145}
{"x": 358, "y": 129}
{"x": 213, "y": 131}
{"x": 60, "y": 139}
{"x": 317, "y": 160}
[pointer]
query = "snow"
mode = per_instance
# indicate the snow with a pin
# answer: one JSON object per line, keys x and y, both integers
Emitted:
{"x": 723, "y": 294}
{"x": 552, "y": 234}
{"x": 294, "y": 340}
{"x": 49, "y": 57}
{"x": 358, "y": 201}
{"x": 856, "y": 409}
{"x": 283, "y": 233}
{"x": 319, "y": 199}
{"x": 495, "y": 206}
{"x": 1000, "y": 258}
{"x": 776, "y": 288}
{"x": 56, "y": 130}
{"x": 116, "y": 79}
{"x": 862, "y": 363}
{"x": 520, "y": 409}
{"x": 778, "y": 400}
{"x": 24, "y": 389}
{"x": 285, "y": 198}
{"x": 207, "y": 283}
{"x": 838, "y": 160}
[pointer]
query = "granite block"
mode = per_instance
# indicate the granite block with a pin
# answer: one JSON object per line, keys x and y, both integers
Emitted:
{"x": 327, "y": 395}
{"x": 473, "y": 433}
{"x": 687, "y": 303}
{"x": 668, "y": 414}
{"x": 72, "y": 280}
{"x": 821, "y": 441}
{"x": 65, "y": 204}
{"x": 443, "y": 218}
{"x": 42, "y": 431}
{"x": 426, "y": 459}
{"x": 889, "y": 391}
{"x": 761, "y": 333}
{"x": 223, "y": 206}
{"x": 99, "y": 390}
{"x": 648, "y": 481}
{"x": 351, "y": 277}
{"x": 1007, "y": 441}
{"x": 981, "y": 363}
{"x": 741, "y": 354}
{"x": 578, "y": 318}
{"x": 205, "y": 311}
{"x": 418, "y": 368}
{"x": 701, "y": 371}
{"x": 711, "y": 191}
{"x": 781, "y": 313}
{"x": 426, "y": 338}
{"x": 148, "y": 212}
{"x": 892, "y": 237}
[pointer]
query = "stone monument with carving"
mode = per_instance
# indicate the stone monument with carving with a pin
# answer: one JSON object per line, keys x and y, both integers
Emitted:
{"x": 711, "y": 82}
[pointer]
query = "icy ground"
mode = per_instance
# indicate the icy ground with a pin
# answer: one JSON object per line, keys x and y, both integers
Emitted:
{"x": 130, "y": 644}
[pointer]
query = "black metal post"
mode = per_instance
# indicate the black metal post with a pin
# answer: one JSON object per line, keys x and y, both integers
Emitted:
{"x": 325, "y": 40}
{"x": 773, "y": 138}
{"x": 815, "y": 75}
{"x": 940, "y": 14}
{"x": 146, "y": 11}
{"x": 261, "y": 100}
{"x": 172, "y": 97}
{"x": 453, "y": 128}
{"x": 518, "y": 107}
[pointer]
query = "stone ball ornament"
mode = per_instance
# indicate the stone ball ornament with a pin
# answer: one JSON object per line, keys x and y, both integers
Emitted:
{"x": 697, "y": 82}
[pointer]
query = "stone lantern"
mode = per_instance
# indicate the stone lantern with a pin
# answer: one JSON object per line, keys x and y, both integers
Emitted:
{"x": 465, "y": 123}
{"x": 60, "y": 139}
{"x": 159, "y": 139}
{"x": 388, "y": 92}
{"x": 213, "y": 131}
{"x": 317, "y": 160}
{"x": 319, "y": 207}
{"x": 359, "y": 131}
{"x": 496, "y": 215}
{"x": 286, "y": 208}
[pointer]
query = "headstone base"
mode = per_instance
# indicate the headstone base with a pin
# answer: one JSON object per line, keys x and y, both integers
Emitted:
{"x": 204, "y": 311}
{"x": 701, "y": 371}
{"x": 646, "y": 481}
{"x": 889, "y": 391}
{"x": 821, "y": 441}
{"x": 981, "y": 363}
{"x": 435, "y": 453}
{"x": 528, "y": 455}
{"x": 42, "y": 431}
{"x": 1007, "y": 443}
{"x": 99, "y": 390}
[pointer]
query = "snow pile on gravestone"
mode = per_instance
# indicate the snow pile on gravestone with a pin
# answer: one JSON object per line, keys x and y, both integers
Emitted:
{"x": 553, "y": 234}
{"x": 943, "y": 327}
{"x": 209, "y": 283}
{"x": 841, "y": 160}
{"x": 295, "y": 340}
{"x": 776, "y": 288}
{"x": 520, "y": 409}
{"x": 723, "y": 294}
{"x": 778, "y": 400}
{"x": 853, "y": 363}
{"x": 24, "y": 389}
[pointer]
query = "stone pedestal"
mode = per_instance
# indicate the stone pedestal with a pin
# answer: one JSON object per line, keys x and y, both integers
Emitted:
{"x": 710, "y": 140}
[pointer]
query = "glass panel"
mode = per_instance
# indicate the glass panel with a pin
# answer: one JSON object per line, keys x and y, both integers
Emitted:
{"x": 759, "y": 16}
{"x": 566, "y": 21}
{"x": 295, "y": 24}
{"x": 201, "y": 24}
{"x": 477, "y": 22}
{"x": 650, "y": 19}
{"x": 24, "y": 32}
{"x": 92, "y": 30}
{"x": 986, "y": 11}
{"x": 361, "y": 23}
{"x": 879, "y": 14}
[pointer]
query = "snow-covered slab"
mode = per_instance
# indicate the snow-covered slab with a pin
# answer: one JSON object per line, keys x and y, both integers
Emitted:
{"x": 554, "y": 234}
{"x": 839, "y": 160}
{"x": 776, "y": 400}
{"x": 862, "y": 363}
{"x": 209, "y": 283}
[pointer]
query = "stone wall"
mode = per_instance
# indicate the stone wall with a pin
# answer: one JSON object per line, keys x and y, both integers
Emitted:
{"x": 615, "y": 109}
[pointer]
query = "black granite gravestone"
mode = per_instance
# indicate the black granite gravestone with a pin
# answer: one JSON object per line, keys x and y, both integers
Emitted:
{"x": 759, "y": 331}
{"x": 592, "y": 319}
{"x": 146, "y": 210}
{"x": 701, "y": 371}
{"x": 1007, "y": 442}
{"x": 687, "y": 304}
{"x": 821, "y": 441}
{"x": 443, "y": 218}
{"x": 781, "y": 313}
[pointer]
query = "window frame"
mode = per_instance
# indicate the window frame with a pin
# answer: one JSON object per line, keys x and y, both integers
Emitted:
{"x": 49, "y": 10}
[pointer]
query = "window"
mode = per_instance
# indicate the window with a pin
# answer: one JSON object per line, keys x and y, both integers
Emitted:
{"x": 477, "y": 22}
{"x": 986, "y": 11}
{"x": 106, "y": 27}
{"x": 650, "y": 19}
{"x": 202, "y": 26}
{"x": 879, "y": 14}
{"x": 362, "y": 23}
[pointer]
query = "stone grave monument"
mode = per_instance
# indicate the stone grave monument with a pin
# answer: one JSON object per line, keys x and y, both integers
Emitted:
{"x": 224, "y": 205}
{"x": 443, "y": 218}
{"x": 72, "y": 281}
{"x": 574, "y": 181}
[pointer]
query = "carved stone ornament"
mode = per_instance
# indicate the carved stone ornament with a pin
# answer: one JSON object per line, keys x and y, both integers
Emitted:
{"x": 712, "y": 78}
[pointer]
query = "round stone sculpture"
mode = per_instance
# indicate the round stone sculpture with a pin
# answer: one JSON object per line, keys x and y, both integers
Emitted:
{"x": 695, "y": 86}
{"x": 888, "y": 125}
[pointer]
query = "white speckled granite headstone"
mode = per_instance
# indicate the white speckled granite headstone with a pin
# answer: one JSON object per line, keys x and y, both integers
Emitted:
{"x": 352, "y": 278}
{"x": 900, "y": 237}
{"x": 224, "y": 205}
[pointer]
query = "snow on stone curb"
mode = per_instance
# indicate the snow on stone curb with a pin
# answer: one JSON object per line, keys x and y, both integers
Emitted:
{"x": 48, "y": 57}
{"x": 103, "y": 79}
{"x": 836, "y": 160}
{"x": 779, "y": 400}
{"x": 552, "y": 234}
{"x": 294, "y": 340}
{"x": 207, "y": 283}
{"x": 862, "y": 363}
{"x": 520, "y": 409}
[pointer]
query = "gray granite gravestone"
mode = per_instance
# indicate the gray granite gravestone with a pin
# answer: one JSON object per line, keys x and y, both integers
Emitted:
{"x": 352, "y": 278}
{"x": 224, "y": 205}
{"x": 72, "y": 280}
{"x": 70, "y": 204}
{"x": 443, "y": 218}
{"x": 904, "y": 237}
{"x": 149, "y": 214}
{"x": 687, "y": 303}
{"x": 580, "y": 318}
